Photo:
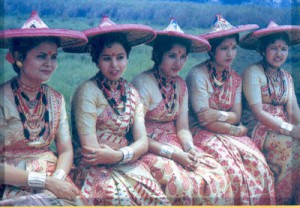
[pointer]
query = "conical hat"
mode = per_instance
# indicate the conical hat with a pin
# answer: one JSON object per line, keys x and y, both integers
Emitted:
{"x": 251, "y": 40}
{"x": 135, "y": 34}
{"x": 222, "y": 27}
{"x": 35, "y": 27}
{"x": 173, "y": 29}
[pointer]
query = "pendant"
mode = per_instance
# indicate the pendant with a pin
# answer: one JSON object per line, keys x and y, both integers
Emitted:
{"x": 32, "y": 103}
{"x": 217, "y": 82}
{"x": 37, "y": 142}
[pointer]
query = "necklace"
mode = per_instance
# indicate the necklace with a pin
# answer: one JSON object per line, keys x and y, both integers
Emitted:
{"x": 214, "y": 75}
{"x": 32, "y": 120}
{"x": 167, "y": 88}
{"x": 118, "y": 105}
{"x": 28, "y": 88}
{"x": 277, "y": 85}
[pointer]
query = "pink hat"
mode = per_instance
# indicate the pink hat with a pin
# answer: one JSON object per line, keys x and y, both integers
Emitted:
{"x": 135, "y": 34}
{"x": 35, "y": 27}
{"x": 221, "y": 28}
{"x": 251, "y": 40}
{"x": 197, "y": 44}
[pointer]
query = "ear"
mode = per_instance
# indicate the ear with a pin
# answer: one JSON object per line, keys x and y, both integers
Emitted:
{"x": 18, "y": 57}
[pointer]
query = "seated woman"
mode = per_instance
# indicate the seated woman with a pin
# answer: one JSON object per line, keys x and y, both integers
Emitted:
{"x": 32, "y": 115}
{"x": 215, "y": 111}
{"x": 106, "y": 110}
{"x": 187, "y": 175}
{"x": 272, "y": 114}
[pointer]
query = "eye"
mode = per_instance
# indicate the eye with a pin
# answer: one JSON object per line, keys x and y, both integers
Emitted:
{"x": 183, "y": 57}
{"x": 223, "y": 48}
{"x": 54, "y": 57}
{"x": 172, "y": 55}
{"x": 105, "y": 58}
{"x": 121, "y": 57}
{"x": 42, "y": 56}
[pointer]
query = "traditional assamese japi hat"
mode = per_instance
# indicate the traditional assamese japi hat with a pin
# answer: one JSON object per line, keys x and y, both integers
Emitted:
{"x": 252, "y": 40}
{"x": 35, "y": 27}
{"x": 135, "y": 34}
{"x": 222, "y": 27}
{"x": 197, "y": 44}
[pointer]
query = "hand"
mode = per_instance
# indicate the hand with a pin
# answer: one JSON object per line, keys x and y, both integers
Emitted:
{"x": 243, "y": 131}
{"x": 62, "y": 189}
{"x": 295, "y": 133}
{"x": 207, "y": 116}
{"x": 197, "y": 153}
{"x": 185, "y": 159}
{"x": 102, "y": 155}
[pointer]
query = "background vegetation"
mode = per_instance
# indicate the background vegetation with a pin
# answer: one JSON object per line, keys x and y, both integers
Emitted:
{"x": 193, "y": 17}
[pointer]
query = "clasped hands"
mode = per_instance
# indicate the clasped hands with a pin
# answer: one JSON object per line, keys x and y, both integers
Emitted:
{"x": 188, "y": 160}
{"x": 103, "y": 155}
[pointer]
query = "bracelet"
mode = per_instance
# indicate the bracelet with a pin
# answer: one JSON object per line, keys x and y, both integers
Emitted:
{"x": 166, "y": 151}
{"x": 286, "y": 128}
{"x": 36, "y": 180}
{"x": 234, "y": 130}
{"x": 223, "y": 116}
{"x": 188, "y": 146}
{"x": 60, "y": 174}
{"x": 128, "y": 154}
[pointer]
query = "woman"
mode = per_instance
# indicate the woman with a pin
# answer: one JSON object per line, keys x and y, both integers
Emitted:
{"x": 106, "y": 110}
{"x": 188, "y": 175}
{"x": 32, "y": 115}
{"x": 215, "y": 111}
{"x": 272, "y": 110}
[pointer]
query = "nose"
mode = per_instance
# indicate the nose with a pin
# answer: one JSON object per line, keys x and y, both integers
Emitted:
{"x": 114, "y": 62}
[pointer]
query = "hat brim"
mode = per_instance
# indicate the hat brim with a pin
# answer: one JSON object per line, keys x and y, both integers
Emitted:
{"x": 251, "y": 41}
{"x": 198, "y": 44}
{"x": 222, "y": 33}
{"x": 67, "y": 37}
{"x": 135, "y": 34}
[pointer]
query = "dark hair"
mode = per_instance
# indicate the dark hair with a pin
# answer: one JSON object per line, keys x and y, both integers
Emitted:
{"x": 214, "y": 43}
{"x": 270, "y": 39}
{"x": 99, "y": 43}
{"x": 23, "y": 45}
{"x": 165, "y": 43}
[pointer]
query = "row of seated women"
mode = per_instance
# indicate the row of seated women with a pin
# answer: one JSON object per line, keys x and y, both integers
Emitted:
{"x": 159, "y": 139}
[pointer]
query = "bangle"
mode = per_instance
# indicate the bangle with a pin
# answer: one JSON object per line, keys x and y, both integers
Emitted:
{"x": 188, "y": 146}
{"x": 36, "y": 180}
{"x": 223, "y": 116}
{"x": 286, "y": 128}
{"x": 234, "y": 130}
{"x": 128, "y": 154}
{"x": 60, "y": 174}
{"x": 166, "y": 151}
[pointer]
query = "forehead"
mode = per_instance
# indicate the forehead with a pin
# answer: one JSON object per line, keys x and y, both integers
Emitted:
{"x": 229, "y": 41}
{"x": 45, "y": 47}
{"x": 279, "y": 42}
{"x": 113, "y": 47}
{"x": 178, "y": 48}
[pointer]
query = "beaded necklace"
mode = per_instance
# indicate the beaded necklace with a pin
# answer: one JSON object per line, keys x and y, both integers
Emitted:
{"x": 119, "y": 106}
{"x": 277, "y": 86}
{"x": 214, "y": 76}
{"x": 31, "y": 120}
{"x": 167, "y": 88}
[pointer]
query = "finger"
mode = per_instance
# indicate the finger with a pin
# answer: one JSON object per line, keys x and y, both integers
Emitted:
{"x": 88, "y": 150}
{"x": 88, "y": 156}
{"x": 88, "y": 161}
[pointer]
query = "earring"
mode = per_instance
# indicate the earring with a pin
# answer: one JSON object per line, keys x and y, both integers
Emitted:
{"x": 19, "y": 64}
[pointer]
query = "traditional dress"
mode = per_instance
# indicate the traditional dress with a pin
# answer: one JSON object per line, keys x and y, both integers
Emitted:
{"x": 251, "y": 178}
{"x": 282, "y": 152}
{"x": 120, "y": 184}
{"x": 27, "y": 154}
{"x": 209, "y": 184}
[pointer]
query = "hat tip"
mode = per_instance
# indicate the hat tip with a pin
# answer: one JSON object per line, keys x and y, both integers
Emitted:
{"x": 33, "y": 13}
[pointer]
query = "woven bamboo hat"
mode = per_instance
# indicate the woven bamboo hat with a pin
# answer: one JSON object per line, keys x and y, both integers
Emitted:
{"x": 35, "y": 27}
{"x": 135, "y": 34}
{"x": 173, "y": 29}
{"x": 252, "y": 40}
{"x": 222, "y": 27}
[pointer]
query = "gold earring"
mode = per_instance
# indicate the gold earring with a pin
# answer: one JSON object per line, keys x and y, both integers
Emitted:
{"x": 19, "y": 64}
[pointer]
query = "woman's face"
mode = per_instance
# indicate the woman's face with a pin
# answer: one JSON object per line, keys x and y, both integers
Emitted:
{"x": 173, "y": 61}
{"x": 276, "y": 53}
{"x": 225, "y": 53}
{"x": 39, "y": 64}
{"x": 112, "y": 61}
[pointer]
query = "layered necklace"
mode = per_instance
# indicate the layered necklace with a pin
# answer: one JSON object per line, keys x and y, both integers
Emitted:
{"x": 31, "y": 121}
{"x": 277, "y": 85}
{"x": 117, "y": 101}
{"x": 167, "y": 88}
{"x": 215, "y": 77}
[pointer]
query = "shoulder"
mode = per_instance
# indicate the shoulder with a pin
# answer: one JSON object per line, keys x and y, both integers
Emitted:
{"x": 253, "y": 70}
{"x": 142, "y": 80}
{"x": 198, "y": 71}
